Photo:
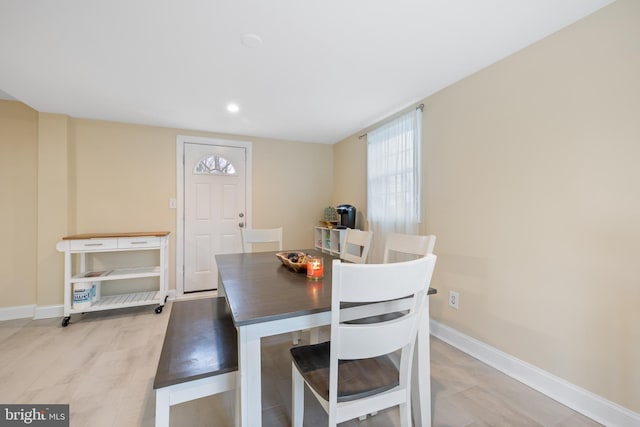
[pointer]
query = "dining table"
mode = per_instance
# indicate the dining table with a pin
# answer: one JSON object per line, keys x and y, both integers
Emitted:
{"x": 267, "y": 298}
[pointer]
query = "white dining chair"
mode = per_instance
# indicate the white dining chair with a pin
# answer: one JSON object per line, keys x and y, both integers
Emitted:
{"x": 262, "y": 236}
{"x": 402, "y": 247}
{"x": 355, "y": 246}
{"x": 353, "y": 374}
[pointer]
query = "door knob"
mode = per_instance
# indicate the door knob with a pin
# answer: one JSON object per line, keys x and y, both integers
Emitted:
{"x": 241, "y": 215}
{"x": 241, "y": 224}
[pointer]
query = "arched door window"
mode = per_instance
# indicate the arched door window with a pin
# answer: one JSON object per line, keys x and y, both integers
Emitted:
{"x": 214, "y": 165}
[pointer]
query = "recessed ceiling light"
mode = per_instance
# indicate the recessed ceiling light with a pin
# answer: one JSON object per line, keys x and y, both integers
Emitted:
{"x": 233, "y": 108}
{"x": 251, "y": 41}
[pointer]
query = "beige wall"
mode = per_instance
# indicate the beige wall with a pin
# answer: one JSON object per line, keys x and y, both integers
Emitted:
{"x": 532, "y": 190}
{"x": 292, "y": 185}
{"x": 100, "y": 176}
{"x": 18, "y": 215}
{"x": 531, "y": 183}
{"x": 53, "y": 203}
{"x": 125, "y": 175}
{"x": 350, "y": 160}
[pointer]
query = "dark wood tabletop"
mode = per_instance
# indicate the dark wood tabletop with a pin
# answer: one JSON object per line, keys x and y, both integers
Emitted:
{"x": 260, "y": 288}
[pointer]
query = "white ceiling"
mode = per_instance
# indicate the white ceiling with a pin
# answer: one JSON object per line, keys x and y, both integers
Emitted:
{"x": 325, "y": 70}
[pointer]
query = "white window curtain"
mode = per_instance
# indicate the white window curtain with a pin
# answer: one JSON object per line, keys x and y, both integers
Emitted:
{"x": 393, "y": 179}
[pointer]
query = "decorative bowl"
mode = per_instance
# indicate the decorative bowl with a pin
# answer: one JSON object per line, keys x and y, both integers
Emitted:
{"x": 300, "y": 266}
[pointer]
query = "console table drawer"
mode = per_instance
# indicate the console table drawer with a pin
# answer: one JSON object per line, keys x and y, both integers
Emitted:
{"x": 92, "y": 244}
{"x": 138, "y": 242}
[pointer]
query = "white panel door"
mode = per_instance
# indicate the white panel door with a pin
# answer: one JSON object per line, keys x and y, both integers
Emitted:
{"x": 214, "y": 209}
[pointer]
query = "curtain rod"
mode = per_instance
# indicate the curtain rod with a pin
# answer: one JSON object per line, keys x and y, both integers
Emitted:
{"x": 419, "y": 107}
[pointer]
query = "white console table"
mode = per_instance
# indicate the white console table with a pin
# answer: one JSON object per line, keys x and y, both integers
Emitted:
{"x": 87, "y": 244}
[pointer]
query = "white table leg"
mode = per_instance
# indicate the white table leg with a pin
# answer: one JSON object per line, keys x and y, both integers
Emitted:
{"x": 250, "y": 378}
{"x": 421, "y": 381}
{"x": 163, "y": 404}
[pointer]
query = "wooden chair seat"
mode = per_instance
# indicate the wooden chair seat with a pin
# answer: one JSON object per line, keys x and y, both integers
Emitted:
{"x": 356, "y": 378}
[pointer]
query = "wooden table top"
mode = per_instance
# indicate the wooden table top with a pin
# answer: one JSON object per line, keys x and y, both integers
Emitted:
{"x": 113, "y": 235}
{"x": 259, "y": 288}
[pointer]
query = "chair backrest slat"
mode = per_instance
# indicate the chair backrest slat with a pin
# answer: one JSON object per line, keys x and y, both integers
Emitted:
{"x": 261, "y": 235}
{"x": 362, "y": 341}
{"x": 355, "y": 246}
{"x": 372, "y": 282}
{"x": 404, "y": 247}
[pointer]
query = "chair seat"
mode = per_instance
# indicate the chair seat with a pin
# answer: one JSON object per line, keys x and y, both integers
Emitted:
{"x": 356, "y": 378}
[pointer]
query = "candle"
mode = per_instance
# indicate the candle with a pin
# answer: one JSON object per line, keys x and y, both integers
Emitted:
{"x": 315, "y": 268}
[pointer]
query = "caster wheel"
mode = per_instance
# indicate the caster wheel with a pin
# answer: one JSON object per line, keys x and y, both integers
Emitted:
{"x": 65, "y": 322}
{"x": 159, "y": 309}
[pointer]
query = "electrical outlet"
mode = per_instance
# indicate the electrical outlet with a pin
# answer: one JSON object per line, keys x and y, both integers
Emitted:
{"x": 173, "y": 204}
{"x": 454, "y": 299}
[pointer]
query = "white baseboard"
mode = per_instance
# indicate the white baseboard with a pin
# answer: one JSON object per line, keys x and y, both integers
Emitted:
{"x": 43, "y": 312}
{"x": 49, "y": 311}
{"x": 583, "y": 401}
{"x": 31, "y": 311}
{"x": 17, "y": 312}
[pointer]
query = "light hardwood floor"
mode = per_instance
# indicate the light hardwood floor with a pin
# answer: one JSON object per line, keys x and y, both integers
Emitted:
{"x": 103, "y": 365}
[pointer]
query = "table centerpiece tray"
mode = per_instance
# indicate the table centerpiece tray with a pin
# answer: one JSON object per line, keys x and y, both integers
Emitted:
{"x": 294, "y": 260}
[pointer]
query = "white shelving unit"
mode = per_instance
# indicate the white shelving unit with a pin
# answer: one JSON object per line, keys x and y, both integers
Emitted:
{"x": 328, "y": 239}
{"x": 86, "y": 244}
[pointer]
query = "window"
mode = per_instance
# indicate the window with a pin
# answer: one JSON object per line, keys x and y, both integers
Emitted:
{"x": 214, "y": 165}
{"x": 393, "y": 178}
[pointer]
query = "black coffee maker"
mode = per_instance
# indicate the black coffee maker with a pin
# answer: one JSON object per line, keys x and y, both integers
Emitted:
{"x": 347, "y": 214}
